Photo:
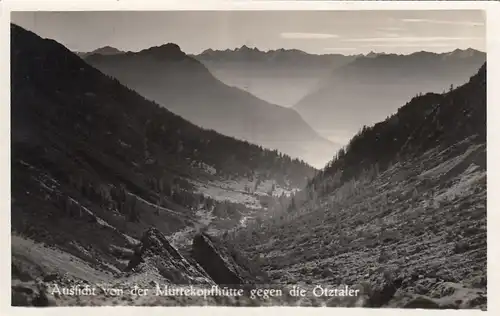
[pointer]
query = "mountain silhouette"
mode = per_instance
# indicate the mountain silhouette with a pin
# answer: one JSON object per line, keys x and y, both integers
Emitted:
{"x": 183, "y": 85}
{"x": 369, "y": 89}
{"x": 106, "y": 50}
{"x": 281, "y": 76}
{"x": 425, "y": 122}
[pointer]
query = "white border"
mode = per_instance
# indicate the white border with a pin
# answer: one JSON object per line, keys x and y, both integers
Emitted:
{"x": 493, "y": 51}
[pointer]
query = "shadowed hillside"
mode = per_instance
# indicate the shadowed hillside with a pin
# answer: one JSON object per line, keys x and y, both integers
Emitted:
{"x": 95, "y": 165}
{"x": 183, "y": 85}
{"x": 400, "y": 212}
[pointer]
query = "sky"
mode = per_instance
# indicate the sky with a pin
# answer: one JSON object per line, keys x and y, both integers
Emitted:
{"x": 316, "y": 32}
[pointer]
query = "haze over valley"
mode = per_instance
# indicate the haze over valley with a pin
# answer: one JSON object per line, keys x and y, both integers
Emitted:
{"x": 328, "y": 70}
{"x": 182, "y": 84}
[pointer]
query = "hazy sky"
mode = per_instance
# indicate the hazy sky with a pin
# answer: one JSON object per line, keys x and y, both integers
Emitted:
{"x": 320, "y": 32}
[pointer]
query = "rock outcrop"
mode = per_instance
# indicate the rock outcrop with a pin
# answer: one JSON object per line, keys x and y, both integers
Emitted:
{"x": 30, "y": 294}
{"x": 223, "y": 263}
{"x": 155, "y": 252}
{"x": 434, "y": 293}
{"x": 383, "y": 288}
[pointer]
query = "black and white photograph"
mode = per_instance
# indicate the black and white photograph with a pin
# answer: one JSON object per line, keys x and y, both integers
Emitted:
{"x": 249, "y": 158}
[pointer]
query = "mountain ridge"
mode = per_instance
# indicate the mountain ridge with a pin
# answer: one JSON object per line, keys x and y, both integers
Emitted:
{"x": 105, "y": 50}
{"x": 186, "y": 87}
{"x": 84, "y": 147}
{"x": 292, "y": 74}
{"x": 426, "y": 121}
{"x": 391, "y": 78}
{"x": 280, "y": 76}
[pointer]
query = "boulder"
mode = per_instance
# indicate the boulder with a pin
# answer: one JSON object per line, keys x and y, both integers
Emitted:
{"x": 383, "y": 287}
{"x": 155, "y": 252}
{"x": 223, "y": 263}
{"x": 51, "y": 277}
{"x": 30, "y": 294}
{"x": 440, "y": 295}
{"x": 456, "y": 295}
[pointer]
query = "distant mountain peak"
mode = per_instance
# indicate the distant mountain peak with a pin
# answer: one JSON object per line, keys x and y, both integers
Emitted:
{"x": 422, "y": 54}
{"x": 245, "y": 52}
{"x": 208, "y": 51}
{"x": 463, "y": 53}
{"x": 169, "y": 47}
{"x": 165, "y": 51}
{"x": 372, "y": 54}
{"x": 246, "y": 48}
{"x": 103, "y": 51}
{"x": 107, "y": 50}
{"x": 468, "y": 50}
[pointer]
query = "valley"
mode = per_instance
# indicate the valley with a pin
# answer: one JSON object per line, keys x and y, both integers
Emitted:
{"x": 182, "y": 84}
{"x": 116, "y": 183}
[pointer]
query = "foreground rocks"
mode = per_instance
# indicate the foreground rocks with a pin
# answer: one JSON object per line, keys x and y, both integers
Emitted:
{"x": 442, "y": 295}
{"x": 223, "y": 263}
{"x": 415, "y": 227}
{"x": 30, "y": 294}
{"x": 156, "y": 263}
{"x": 157, "y": 254}
{"x": 417, "y": 291}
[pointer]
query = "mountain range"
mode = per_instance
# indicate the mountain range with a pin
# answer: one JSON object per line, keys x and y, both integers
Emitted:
{"x": 185, "y": 86}
{"x": 280, "y": 76}
{"x": 329, "y": 90}
{"x": 369, "y": 89}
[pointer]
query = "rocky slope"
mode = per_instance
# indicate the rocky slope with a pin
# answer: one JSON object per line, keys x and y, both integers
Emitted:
{"x": 155, "y": 271}
{"x": 156, "y": 252}
{"x": 369, "y": 89}
{"x": 185, "y": 86}
{"x": 404, "y": 218}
